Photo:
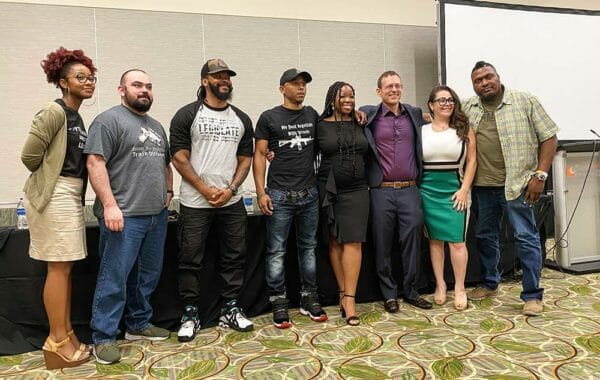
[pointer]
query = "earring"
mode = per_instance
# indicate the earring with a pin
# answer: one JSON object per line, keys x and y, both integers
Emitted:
{"x": 91, "y": 103}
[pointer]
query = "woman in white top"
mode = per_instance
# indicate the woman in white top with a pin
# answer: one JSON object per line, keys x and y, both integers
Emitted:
{"x": 449, "y": 163}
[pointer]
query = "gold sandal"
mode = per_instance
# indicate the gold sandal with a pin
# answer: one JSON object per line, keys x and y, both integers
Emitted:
{"x": 55, "y": 359}
{"x": 82, "y": 346}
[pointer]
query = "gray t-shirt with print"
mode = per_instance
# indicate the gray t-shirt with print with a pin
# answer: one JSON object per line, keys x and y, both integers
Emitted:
{"x": 136, "y": 152}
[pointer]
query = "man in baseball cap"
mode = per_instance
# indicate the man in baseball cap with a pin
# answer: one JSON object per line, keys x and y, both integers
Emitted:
{"x": 290, "y": 75}
{"x": 209, "y": 194}
{"x": 288, "y": 130}
{"x": 214, "y": 66}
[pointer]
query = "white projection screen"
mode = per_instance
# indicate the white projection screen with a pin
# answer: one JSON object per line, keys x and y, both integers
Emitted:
{"x": 550, "y": 52}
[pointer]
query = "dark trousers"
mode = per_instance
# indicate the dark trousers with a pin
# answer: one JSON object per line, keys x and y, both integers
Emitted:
{"x": 396, "y": 214}
{"x": 193, "y": 227}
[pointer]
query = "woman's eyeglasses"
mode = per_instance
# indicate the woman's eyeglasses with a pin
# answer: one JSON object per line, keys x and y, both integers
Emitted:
{"x": 81, "y": 78}
{"x": 445, "y": 101}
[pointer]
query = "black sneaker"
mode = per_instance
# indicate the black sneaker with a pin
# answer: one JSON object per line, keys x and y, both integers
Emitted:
{"x": 310, "y": 306}
{"x": 190, "y": 324}
{"x": 233, "y": 317}
{"x": 281, "y": 319}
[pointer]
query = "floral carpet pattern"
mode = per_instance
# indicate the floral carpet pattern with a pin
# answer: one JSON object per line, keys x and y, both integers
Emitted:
{"x": 490, "y": 340}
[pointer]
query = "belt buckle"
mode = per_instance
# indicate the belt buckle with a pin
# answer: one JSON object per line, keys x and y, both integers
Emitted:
{"x": 292, "y": 196}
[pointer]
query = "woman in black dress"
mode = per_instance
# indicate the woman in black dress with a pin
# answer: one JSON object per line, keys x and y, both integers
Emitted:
{"x": 343, "y": 190}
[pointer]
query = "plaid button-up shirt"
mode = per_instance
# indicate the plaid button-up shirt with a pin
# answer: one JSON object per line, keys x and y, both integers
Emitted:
{"x": 523, "y": 125}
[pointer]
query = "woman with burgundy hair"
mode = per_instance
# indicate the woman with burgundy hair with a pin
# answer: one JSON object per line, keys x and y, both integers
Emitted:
{"x": 55, "y": 195}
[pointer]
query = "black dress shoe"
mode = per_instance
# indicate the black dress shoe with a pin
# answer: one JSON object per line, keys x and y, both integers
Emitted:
{"x": 419, "y": 302}
{"x": 391, "y": 306}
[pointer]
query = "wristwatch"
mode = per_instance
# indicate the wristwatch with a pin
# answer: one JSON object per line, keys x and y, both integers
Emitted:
{"x": 541, "y": 175}
{"x": 233, "y": 188}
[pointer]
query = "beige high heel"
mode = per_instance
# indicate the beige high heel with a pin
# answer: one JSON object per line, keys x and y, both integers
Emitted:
{"x": 82, "y": 346}
{"x": 55, "y": 359}
{"x": 460, "y": 302}
{"x": 440, "y": 299}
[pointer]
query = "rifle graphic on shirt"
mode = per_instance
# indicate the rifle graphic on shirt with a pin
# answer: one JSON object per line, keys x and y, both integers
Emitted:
{"x": 296, "y": 141}
{"x": 148, "y": 134}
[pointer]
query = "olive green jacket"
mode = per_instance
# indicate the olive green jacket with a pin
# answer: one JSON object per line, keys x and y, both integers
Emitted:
{"x": 44, "y": 154}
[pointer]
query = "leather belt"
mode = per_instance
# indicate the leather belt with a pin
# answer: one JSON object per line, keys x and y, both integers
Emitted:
{"x": 298, "y": 193}
{"x": 398, "y": 184}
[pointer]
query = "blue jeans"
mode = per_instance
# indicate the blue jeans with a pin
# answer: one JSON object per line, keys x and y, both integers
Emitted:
{"x": 491, "y": 203}
{"x": 130, "y": 267}
{"x": 303, "y": 208}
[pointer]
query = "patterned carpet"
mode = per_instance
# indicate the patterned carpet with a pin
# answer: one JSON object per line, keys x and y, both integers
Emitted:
{"x": 490, "y": 340}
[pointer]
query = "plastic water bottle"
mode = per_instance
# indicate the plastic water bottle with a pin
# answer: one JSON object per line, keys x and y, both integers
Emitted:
{"x": 247, "y": 196}
{"x": 21, "y": 217}
{"x": 255, "y": 207}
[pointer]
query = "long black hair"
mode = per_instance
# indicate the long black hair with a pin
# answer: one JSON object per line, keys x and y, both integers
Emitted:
{"x": 344, "y": 146}
{"x": 332, "y": 93}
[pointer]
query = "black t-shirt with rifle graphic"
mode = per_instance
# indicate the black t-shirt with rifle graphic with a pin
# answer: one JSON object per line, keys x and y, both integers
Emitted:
{"x": 291, "y": 137}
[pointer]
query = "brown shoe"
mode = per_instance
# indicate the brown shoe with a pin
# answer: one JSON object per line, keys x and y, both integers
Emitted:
{"x": 480, "y": 293}
{"x": 391, "y": 306}
{"x": 533, "y": 307}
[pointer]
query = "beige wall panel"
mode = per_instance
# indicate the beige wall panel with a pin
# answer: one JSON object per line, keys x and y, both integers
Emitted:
{"x": 172, "y": 47}
{"x": 412, "y": 52}
{"x": 405, "y": 12}
{"x": 426, "y": 65}
{"x": 27, "y": 34}
{"x": 333, "y": 51}
{"x": 258, "y": 50}
{"x": 393, "y": 12}
{"x": 168, "y": 46}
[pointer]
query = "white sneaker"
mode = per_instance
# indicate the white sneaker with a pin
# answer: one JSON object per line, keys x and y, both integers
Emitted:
{"x": 233, "y": 317}
{"x": 190, "y": 324}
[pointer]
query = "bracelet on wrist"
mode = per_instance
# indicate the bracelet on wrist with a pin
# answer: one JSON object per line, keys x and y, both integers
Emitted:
{"x": 233, "y": 188}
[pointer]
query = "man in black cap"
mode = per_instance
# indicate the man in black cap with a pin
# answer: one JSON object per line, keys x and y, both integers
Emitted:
{"x": 211, "y": 145}
{"x": 288, "y": 131}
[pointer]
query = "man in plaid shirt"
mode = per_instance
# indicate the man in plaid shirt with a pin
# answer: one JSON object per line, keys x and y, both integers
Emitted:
{"x": 516, "y": 142}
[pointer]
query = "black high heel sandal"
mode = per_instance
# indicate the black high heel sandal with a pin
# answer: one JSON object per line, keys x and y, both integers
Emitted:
{"x": 352, "y": 320}
{"x": 342, "y": 311}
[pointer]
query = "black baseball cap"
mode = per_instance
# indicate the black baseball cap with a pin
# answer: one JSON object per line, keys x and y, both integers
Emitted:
{"x": 291, "y": 74}
{"x": 215, "y": 65}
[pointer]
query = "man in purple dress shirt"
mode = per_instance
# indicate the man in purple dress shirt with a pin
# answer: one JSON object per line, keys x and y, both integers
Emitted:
{"x": 393, "y": 171}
